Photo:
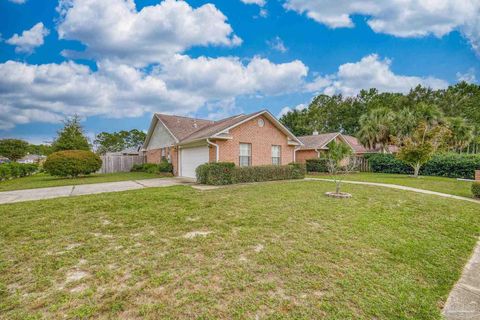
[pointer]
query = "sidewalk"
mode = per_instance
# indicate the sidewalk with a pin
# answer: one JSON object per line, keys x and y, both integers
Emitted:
{"x": 78, "y": 190}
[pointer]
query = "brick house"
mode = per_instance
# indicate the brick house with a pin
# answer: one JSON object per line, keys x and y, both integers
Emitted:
{"x": 246, "y": 140}
{"x": 315, "y": 145}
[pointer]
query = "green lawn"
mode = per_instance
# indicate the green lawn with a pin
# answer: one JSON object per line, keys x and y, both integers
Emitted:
{"x": 439, "y": 184}
{"x": 43, "y": 180}
{"x": 272, "y": 250}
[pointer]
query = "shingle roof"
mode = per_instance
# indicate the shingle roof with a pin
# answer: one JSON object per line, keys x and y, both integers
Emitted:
{"x": 359, "y": 148}
{"x": 356, "y": 145}
{"x": 187, "y": 130}
{"x": 317, "y": 141}
{"x": 218, "y": 126}
{"x": 182, "y": 127}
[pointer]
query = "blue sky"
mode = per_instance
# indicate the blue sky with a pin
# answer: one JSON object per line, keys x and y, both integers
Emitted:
{"x": 114, "y": 62}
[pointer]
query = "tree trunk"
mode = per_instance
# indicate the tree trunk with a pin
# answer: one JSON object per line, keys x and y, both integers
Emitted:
{"x": 416, "y": 170}
{"x": 337, "y": 187}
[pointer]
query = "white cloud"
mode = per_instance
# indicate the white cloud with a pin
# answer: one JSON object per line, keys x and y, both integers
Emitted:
{"x": 260, "y": 3}
{"x": 30, "y": 39}
{"x": 18, "y": 1}
{"x": 115, "y": 30}
{"x": 277, "y": 44}
{"x": 401, "y": 18}
{"x": 225, "y": 77}
{"x": 286, "y": 110}
{"x": 468, "y": 76}
{"x": 49, "y": 92}
{"x": 370, "y": 72}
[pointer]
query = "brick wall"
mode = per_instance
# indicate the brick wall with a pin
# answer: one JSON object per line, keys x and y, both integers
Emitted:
{"x": 155, "y": 155}
{"x": 477, "y": 175}
{"x": 304, "y": 155}
{"x": 261, "y": 138}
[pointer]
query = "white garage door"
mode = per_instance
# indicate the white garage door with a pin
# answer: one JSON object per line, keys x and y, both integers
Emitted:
{"x": 191, "y": 158}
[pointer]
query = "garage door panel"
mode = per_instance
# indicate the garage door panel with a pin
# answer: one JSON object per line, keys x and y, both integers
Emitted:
{"x": 191, "y": 158}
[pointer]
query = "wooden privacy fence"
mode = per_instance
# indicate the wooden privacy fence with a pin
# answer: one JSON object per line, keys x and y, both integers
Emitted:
{"x": 362, "y": 164}
{"x": 119, "y": 163}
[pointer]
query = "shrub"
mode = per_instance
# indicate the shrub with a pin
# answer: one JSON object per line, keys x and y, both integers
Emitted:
{"x": 72, "y": 163}
{"x": 16, "y": 170}
{"x": 226, "y": 173}
{"x": 216, "y": 173}
{"x": 387, "y": 163}
{"x": 317, "y": 165}
{"x": 476, "y": 189}
{"x": 452, "y": 165}
{"x": 145, "y": 167}
{"x": 165, "y": 166}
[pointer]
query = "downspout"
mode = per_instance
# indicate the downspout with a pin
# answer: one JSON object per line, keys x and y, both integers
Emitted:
{"x": 318, "y": 153}
{"x": 217, "y": 149}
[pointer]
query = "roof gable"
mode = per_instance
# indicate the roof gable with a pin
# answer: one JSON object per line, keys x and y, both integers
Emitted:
{"x": 187, "y": 130}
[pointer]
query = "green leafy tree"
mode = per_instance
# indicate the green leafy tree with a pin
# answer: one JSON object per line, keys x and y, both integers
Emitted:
{"x": 418, "y": 148}
{"x": 40, "y": 149}
{"x": 118, "y": 141}
{"x": 71, "y": 136}
{"x": 13, "y": 149}
{"x": 339, "y": 162}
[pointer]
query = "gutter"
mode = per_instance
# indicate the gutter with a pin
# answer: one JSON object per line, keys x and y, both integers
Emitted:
{"x": 217, "y": 149}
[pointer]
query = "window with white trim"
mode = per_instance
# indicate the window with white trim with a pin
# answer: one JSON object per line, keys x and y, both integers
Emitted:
{"x": 276, "y": 155}
{"x": 245, "y": 158}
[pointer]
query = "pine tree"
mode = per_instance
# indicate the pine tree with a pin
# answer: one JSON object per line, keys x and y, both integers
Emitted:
{"x": 71, "y": 136}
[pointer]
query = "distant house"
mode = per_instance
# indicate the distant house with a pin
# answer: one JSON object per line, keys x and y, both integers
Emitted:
{"x": 317, "y": 144}
{"x": 246, "y": 140}
{"x": 32, "y": 158}
{"x": 4, "y": 160}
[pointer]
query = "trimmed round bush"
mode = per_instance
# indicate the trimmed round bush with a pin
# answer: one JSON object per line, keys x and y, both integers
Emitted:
{"x": 72, "y": 163}
{"x": 476, "y": 189}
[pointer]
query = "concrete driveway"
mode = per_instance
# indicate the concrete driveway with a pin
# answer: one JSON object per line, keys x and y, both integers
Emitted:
{"x": 78, "y": 190}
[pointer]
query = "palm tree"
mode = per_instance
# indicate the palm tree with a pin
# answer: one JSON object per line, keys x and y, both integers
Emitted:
{"x": 462, "y": 133}
{"x": 376, "y": 128}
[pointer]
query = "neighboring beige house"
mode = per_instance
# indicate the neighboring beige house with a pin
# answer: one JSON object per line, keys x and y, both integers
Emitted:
{"x": 246, "y": 140}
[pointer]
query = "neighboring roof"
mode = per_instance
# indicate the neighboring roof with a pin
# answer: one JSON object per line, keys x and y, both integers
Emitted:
{"x": 356, "y": 145}
{"x": 187, "y": 130}
{"x": 32, "y": 157}
{"x": 318, "y": 141}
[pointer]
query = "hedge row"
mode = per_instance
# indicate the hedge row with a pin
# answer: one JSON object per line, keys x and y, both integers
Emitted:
{"x": 16, "y": 170}
{"x": 476, "y": 189}
{"x": 452, "y": 165}
{"x": 223, "y": 173}
{"x": 163, "y": 167}
{"x": 317, "y": 165}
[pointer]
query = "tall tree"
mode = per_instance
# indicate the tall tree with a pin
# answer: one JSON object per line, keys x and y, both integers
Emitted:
{"x": 376, "y": 129}
{"x": 462, "y": 133}
{"x": 71, "y": 136}
{"x": 13, "y": 149}
{"x": 118, "y": 141}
